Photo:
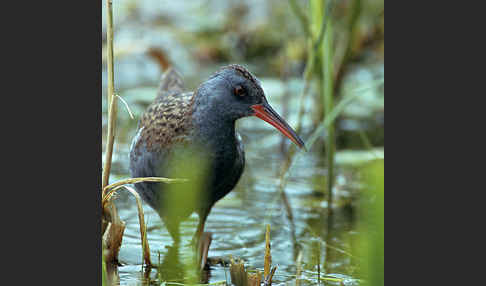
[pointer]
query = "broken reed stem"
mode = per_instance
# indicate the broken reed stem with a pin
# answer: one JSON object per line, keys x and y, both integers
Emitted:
{"x": 112, "y": 240}
{"x": 267, "y": 272}
{"x": 254, "y": 279}
{"x": 111, "y": 189}
{"x": 238, "y": 274}
{"x": 268, "y": 255}
{"x": 241, "y": 277}
{"x": 110, "y": 96}
{"x": 143, "y": 228}
{"x": 268, "y": 279}
{"x": 126, "y": 106}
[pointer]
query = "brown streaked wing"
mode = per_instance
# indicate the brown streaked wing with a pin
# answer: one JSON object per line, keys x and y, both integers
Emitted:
{"x": 166, "y": 121}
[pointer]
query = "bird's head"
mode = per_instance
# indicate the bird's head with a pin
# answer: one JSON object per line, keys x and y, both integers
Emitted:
{"x": 233, "y": 92}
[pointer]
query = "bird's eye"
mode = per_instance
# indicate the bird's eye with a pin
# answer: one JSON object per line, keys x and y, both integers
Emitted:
{"x": 239, "y": 90}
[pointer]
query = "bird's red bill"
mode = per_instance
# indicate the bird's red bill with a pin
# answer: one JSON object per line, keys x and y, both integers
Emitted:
{"x": 265, "y": 112}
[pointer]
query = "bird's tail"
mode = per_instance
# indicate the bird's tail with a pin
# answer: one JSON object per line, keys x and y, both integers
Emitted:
{"x": 170, "y": 83}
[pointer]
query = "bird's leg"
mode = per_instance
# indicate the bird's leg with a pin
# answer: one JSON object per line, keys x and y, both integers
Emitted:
{"x": 202, "y": 240}
{"x": 203, "y": 215}
{"x": 203, "y": 248}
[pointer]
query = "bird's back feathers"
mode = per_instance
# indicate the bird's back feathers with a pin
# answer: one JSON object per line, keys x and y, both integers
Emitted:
{"x": 165, "y": 121}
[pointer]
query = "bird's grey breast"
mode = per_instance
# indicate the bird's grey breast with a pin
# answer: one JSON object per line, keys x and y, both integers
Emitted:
{"x": 228, "y": 168}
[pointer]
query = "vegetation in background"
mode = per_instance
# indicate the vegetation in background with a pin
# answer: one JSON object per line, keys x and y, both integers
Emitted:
{"x": 322, "y": 44}
{"x": 372, "y": 224}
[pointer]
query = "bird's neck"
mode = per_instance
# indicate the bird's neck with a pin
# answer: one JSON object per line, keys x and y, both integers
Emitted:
{"x": 214, "y": 128}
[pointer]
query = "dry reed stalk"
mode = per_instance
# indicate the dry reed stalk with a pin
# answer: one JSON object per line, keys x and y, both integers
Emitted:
{"x": 117, "y": 231}
{"x": 241, "y": 277}
{"x": 254, "y": 279}
{"x": 268, "y": 271}
{"x": 111, "y": 188}
{"x": 268, "y": 255}
{"x": 238, "y": 274}
{"x": 110, "y": 95}
{"x": 112, "y": 240}
{"x": 143, "y": 228}
{"x": 112, "y": 226}
{"x": 268, "y": 279}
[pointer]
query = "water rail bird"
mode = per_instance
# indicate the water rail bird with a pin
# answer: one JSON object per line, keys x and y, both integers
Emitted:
{"x": 206, "y": 118}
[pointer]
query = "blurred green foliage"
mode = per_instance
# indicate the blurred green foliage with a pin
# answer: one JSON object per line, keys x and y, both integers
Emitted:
{"x": 180, "y": 201}
{"x": 372, "y": 224}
